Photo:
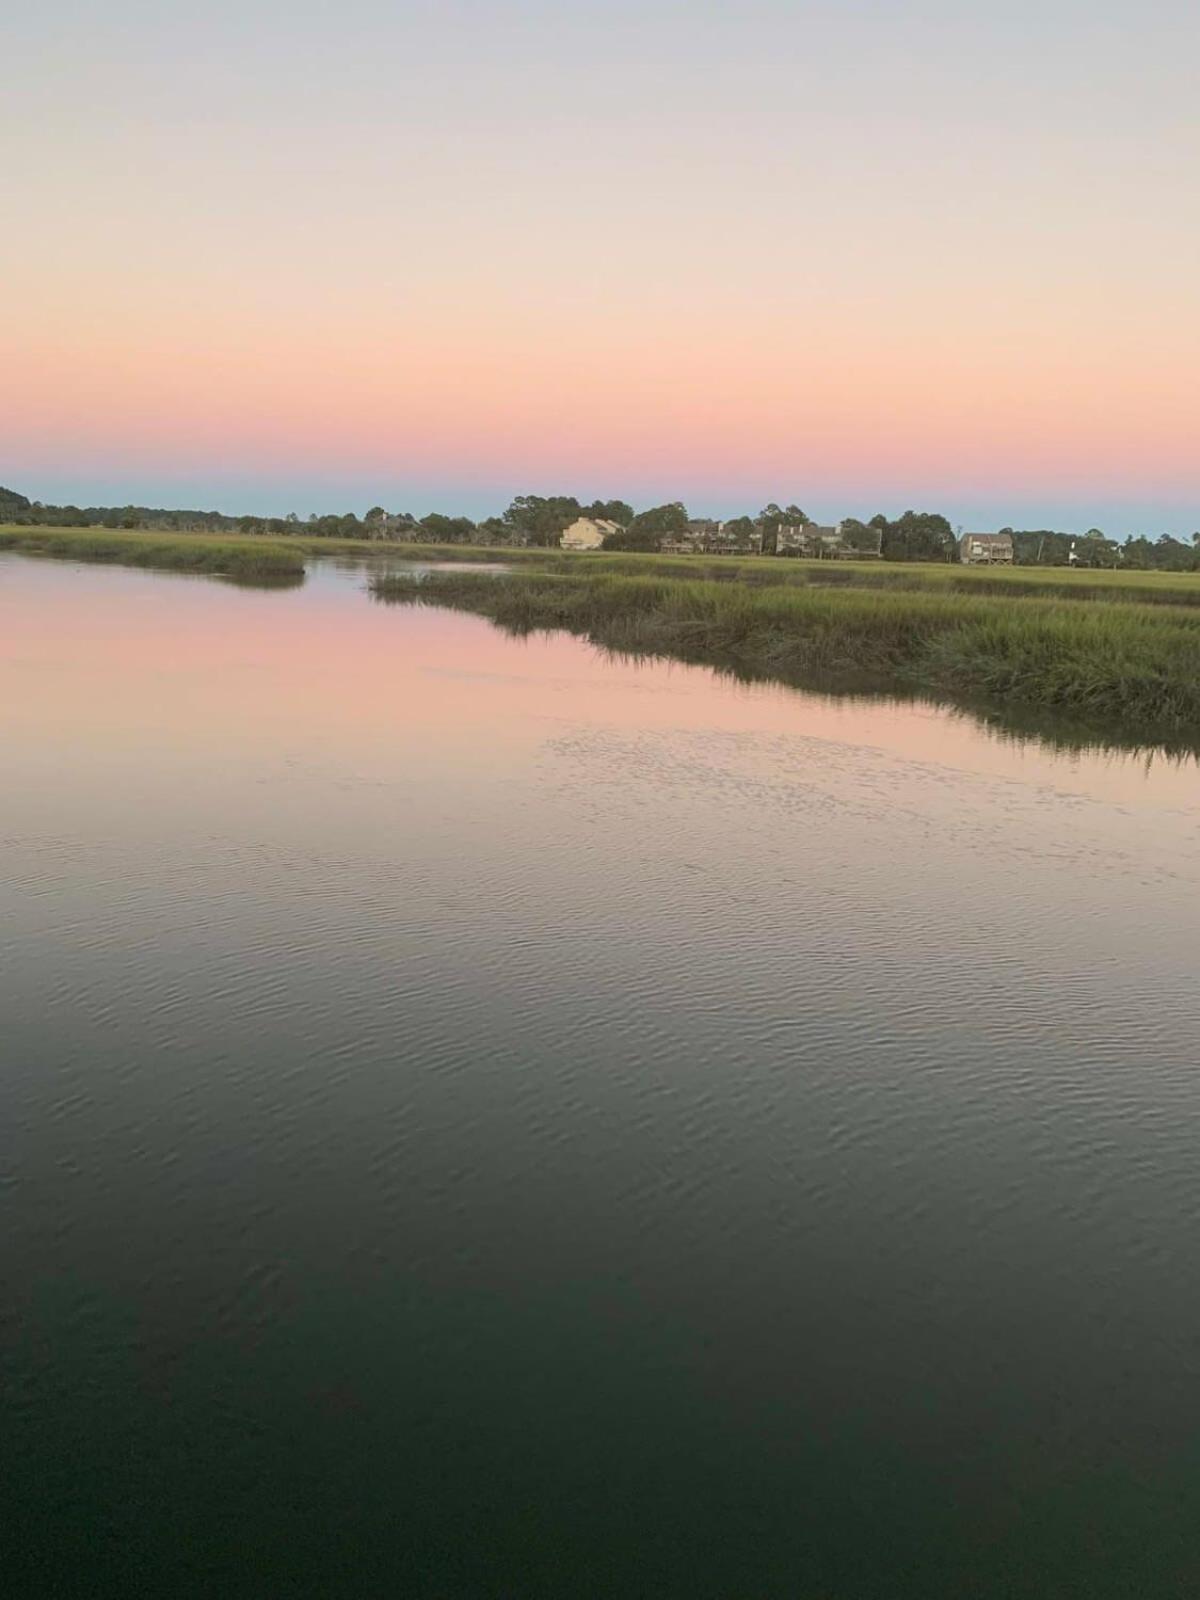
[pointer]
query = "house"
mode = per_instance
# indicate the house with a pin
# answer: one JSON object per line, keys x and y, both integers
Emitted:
{"x": 986, "y": 549}
{"x": 704, "y": 533}
{"x": 731, "y": 540}
{"x": 847, "y": 542}
{"x": 588, "y": 533}
{"x": 692, "y": 540}
{"x": 801, "y": 538}
{"x": 706, "y": 536}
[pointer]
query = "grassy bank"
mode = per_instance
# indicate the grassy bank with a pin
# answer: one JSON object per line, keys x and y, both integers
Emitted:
{"x": 244, "y": 560}
{"x": 214, "y": 552}
{"x": 1062, "y": 583}
{"x": 1127, "y": 669}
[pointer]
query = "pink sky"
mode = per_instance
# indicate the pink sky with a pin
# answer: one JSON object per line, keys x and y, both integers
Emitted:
{"x": 858, "y": 256}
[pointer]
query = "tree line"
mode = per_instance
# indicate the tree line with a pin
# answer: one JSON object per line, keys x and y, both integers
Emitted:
{"x": 1033, "y": 547}
{"x": 540, "y": 520}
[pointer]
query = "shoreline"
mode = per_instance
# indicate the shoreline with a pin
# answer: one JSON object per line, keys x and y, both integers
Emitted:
{"x": 1100, "y": 657}
{"x": 1101, "y": 673}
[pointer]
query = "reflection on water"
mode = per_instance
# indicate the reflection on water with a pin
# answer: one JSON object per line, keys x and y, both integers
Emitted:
{"x": 263, "y": 580}
{"x": 1064, "y": 730}
{"x": 484, "y": 1119}
{"x": 1013, "y": 724}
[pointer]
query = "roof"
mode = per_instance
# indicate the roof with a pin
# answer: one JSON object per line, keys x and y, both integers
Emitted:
{"x": 988, "y": 538}
{"x": 594, "y": 522}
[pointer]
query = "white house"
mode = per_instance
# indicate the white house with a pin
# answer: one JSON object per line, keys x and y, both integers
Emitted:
{"x": 587, "y": 533}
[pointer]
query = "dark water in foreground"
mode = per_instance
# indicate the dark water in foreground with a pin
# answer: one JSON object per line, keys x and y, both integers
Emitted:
{"x": 481, "y": 1120}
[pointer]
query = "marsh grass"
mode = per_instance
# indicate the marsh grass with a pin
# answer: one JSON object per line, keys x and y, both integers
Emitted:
{"x": 1152, "y": 588}
{"x": 201, "y": 552}
{"x": 1131, "y": 669}
{"x": 240, "y": 560}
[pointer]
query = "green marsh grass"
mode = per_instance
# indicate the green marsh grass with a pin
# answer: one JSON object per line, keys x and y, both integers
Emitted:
{"x": 241, "y": 560}
{"x": 1063, "y": 583}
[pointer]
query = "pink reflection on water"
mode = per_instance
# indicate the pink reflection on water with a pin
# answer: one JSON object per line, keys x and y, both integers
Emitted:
{"x": 134, "y": 666}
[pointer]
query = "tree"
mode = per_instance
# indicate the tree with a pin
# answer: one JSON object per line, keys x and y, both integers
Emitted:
{"x": 770, "y": 519}
{"x": 610, "y": 511}
{"x": 1172, "y": 555}
{"x": 864, "y": 537}
{"x": 1138, "y": 553}
{"x": 744, "y": 530}
{"x": 649, "y": 528}
{"x": 540, "y": 519}
{"x": 446, "y": 530}
{"x": 1039, "y": 547}
{"x": 1094, "y": 550}
{"x": 917, "y": 536}
{"x": 14, "y": 507}
{"x": 773, "y": 517}
{"x": 493, "y": 530}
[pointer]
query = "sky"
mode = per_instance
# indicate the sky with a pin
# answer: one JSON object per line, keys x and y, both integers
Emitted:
{"x": 860, "y": 255}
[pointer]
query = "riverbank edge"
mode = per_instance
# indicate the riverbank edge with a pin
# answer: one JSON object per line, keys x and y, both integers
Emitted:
{"x": 1121, "y": 673}
{"x": 206, "y": 551}
{"x": 236, "y": 559}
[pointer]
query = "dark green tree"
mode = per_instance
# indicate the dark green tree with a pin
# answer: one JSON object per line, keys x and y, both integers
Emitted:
{"x": 540, "y": 519}
{"x": 494, "y": 530}
{"x": 918, "y": 536}
{"x": 745, "y": 530}
{"x": 617, "y": 511}
{"x": 447, "y": 530}
{"x": 649, "y": 528}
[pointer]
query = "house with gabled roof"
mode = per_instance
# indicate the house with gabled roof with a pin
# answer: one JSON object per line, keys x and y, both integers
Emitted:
{"x": 986, "y": 550}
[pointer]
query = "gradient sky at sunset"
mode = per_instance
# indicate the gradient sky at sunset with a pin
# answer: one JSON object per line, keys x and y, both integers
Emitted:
{"x": 863, "y": 254}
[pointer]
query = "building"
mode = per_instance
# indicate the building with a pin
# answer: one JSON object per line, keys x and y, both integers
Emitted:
{"x": 708, "y": 537}
{"x": 693, "y": 540}
{"x": 847, "y": 542}
{"x": 704, "y": 534}
{"x": 588, "y": 533}
{"x": 733, "y": 539}
{"x": 802, "y": 538}
{"x": 986, "y": 549}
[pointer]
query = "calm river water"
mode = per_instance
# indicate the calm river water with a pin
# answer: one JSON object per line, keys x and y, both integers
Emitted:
{"x": 479, "y": 1119}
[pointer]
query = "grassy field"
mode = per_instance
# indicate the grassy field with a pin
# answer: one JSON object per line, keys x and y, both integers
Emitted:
{"x": 1113, "y": 667}
{"x": 1151, "y": 588}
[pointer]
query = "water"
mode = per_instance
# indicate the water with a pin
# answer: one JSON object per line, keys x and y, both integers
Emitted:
{"x": 483, "y": 1120}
